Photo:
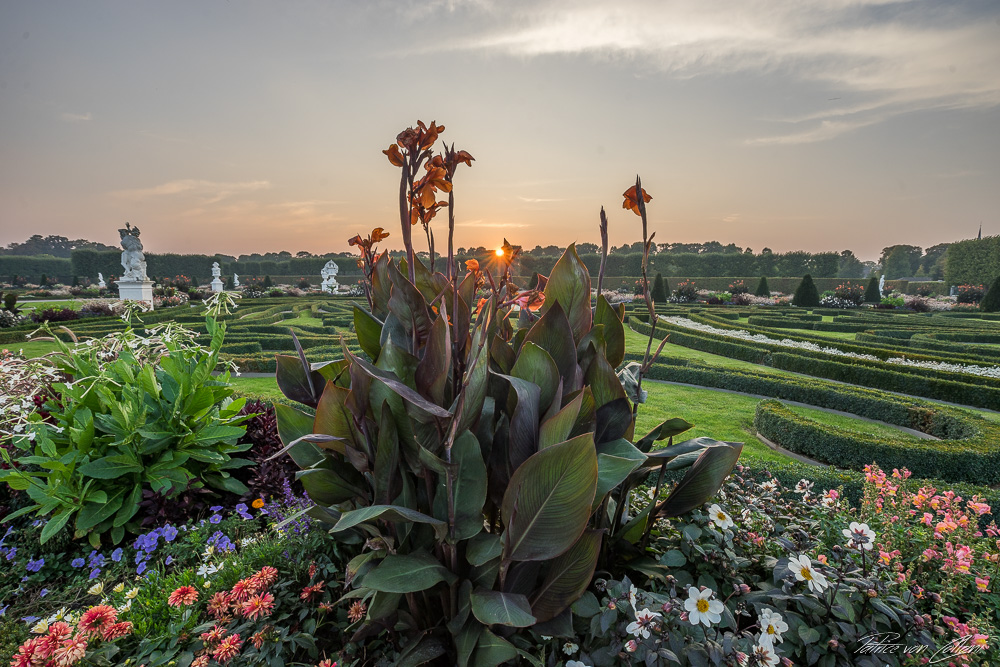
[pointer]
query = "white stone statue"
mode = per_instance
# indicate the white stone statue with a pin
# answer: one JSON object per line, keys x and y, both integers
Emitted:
{"x": 100, "y": 281}
{"x": 329, "y": 275}
{"x": 881, "y": 286}
{"x": 133, "y": 261}
{"x": 236, "y": 280}
{"x": 217, "y": 285}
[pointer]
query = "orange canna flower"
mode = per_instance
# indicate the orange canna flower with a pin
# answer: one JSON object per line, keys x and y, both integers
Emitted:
{"x": 631, "y": 201}
{"x": 395, "y": 157}
{"x": 472, "y": 265}
{"x": 378, "y": 234}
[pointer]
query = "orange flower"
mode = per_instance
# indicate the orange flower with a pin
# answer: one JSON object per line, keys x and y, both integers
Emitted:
{"x": 632, "y": 202}
{"x": 228, "y": 649}
{"x": 119, "y": 629}
{"x": 378, "y": 234}
{"x": 472, "y": 265}
{"x": 97, "y": 618}
{"x": 259, "y": 606}
{"x": 395, "y": 157}
{"x": 257, "y": 504}
{"x": 267, "y": 574}
{"x": 309, "y": 592}
{"x": 183, "y": 596}
{"x": 357, "y": 611}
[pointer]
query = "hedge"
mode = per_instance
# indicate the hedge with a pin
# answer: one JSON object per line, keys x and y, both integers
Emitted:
{"x": 974, "y": 262}
{"x": 984, "y": 393}
{"x": 973, "y": 459}
{"x": 33, "y": 266}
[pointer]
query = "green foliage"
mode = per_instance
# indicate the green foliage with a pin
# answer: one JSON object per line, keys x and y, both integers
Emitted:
{"x": 135, "y": 413}
{"x": 10, "y": 302}
{"x": 806, "y": 295}
{"x": 973, "y": 261}
{"x": 991, "y": 301}
{"x": 488, "y": 467}
{"x": 762, "y": 289}
{"x": 660, "y": 289}
{"x": 33, "y": 267}
{"x": 872, "y": 294}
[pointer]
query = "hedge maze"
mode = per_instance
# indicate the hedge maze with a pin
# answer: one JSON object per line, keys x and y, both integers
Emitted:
{"x": 964, "y": 446}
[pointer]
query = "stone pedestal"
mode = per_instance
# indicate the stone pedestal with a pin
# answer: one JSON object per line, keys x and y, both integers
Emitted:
{"x": 133, "y": 290}
{"x": 216, "y": 285}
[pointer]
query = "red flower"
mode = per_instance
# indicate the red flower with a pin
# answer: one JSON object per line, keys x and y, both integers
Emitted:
{"x": 259, "y": 606}
{"x": 97, "y": 618}
{"x": 242, "y": 590}
{"x": 119, "y": 629}
{"x": 71, "y": 651}
{"x": 183, "y": 596}
{"x": 214, "y": 635}
{"x": 309, "y": 592}
{"x": 632, "y": 202}
{"x": 219, "y": 604}
{"x": 227, "y": 649}
{"x": 267, "y": 575}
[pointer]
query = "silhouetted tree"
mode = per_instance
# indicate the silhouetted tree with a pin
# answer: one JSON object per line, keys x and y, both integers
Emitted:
{"x": 806, "y": 294}
{"x": 762, "y": 288}
{"x": 991, "y": 301}
{"x": 871, "y": 292}
{"x": 659, "y": 293}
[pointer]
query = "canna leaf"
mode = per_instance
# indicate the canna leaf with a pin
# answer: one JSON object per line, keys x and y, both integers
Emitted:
{"x": 702, "y": 481}
{"x": 568, "y": 577}
{"x": 408, "y": 573}
{"x": 569, "y": 286}
{"x": 497, "y": 608}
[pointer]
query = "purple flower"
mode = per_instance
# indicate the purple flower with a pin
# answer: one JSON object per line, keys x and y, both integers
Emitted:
{"x": 241, "y": 509}
{"x": 116, "y": 555}
{"x": 170, "y": 559}
{"x": 77, "y": 562}
{"x": 42, "y": 593}
{"x": 215, "y": 508}
{"x": 141, "y": 568}
{"x": 35, "y": 565}
{"x": 139, "y": 557}
{"x": 169, "y": 533}
{"x": 28, "y": 619}
{"x": 11, "y": 553}
{"x": 95, "y": 573}
{"x": 96, "y": 559}
{"x": 215, "y": 518}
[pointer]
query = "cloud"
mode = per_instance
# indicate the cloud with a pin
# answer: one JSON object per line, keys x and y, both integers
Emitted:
{"x": 881, "y": 58}
{"x": 538, "y": 200}
{"x": 732, "y": 217}
{"x": 208, "y": 192}
{"x": 480, "y": 223}
{"x": 76, "y": 117}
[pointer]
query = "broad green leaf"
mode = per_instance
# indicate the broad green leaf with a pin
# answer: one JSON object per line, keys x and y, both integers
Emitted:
{"x": 386, "y": 473}
{"x": 407, "y": 303}
{"x": 667, "y": 429}
{"x": 326, "y": 487}
{"x": 553, "y": 333}
{"x": 702, "y": 481}
{"x": 523, "y": 440}
{"x": 483, "y": 548}
{"x": 54, "y": 525}
{"x": 547, "y": 502}
{"x": 408, "y": 573}
{"x": 93, "y": 513}
{"x": 466, "y": 640}
{"x": 614, "y": 331}
{"x": 497, "y": 608}
{"x": 492, "y": 651}
{"x": 476, "y": 378}
{"x": 295, "y": 380}
{"x": 689, "y": 448}
{"x": 421, "y": 652}
{"x": 292, "y": 425}
{"x": 613, "y": 420}
{"x": 392, "y": 513}
{"x": 559, "y": 427}
{"x": 434, "y": 368}
{"x": 369, "y": 332}
{"x": 468, "y": 487}
{"x": 535, "y": 365}
{"x": 332, "y": 418}
{"x": 568, "y": 577}
{"x": 569, "y": 286}
{"x": 615, "y": 461}
{"x": 424, "y": 408}
{"x": 603, "y": 381}
{"x": 110, "y": 467}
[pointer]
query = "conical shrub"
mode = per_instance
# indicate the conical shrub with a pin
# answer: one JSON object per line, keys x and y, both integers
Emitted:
{"x": 806, "y": 295}
{"x": 660, "y": 289}
{"x": 991, "y": 301}
{"x": 871, "y": 292}
{"x": 762, "y": 288}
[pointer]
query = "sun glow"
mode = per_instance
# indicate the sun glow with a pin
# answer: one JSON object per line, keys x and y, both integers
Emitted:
{"x": 498, "y": 252}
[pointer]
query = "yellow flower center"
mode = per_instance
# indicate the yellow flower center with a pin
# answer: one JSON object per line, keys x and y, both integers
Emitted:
{"x": 770, "y": 629}
{"x": 702, "y": 606}
{"x": 807, "y": 574}
{"x": 721, "y": 517}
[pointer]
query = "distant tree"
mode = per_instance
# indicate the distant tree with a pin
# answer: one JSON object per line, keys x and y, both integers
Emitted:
{"x": 762, "y": 288}
{"x": 849, "y": 266}
{"x": 660, "y": 288}
{"x": 303, "y": 253}
{"x": 899, "y": 263}
{"x": 267, "y": 282}
{"x": 932, "y": 263}
{"x": 991, "y": 300}
{"x": 806, "y": 294}
{"x": 57, "y": 246}
{"x": 587, "y": 248}
{"x": 824, "y": 264}
{"x": 871, "y": 292}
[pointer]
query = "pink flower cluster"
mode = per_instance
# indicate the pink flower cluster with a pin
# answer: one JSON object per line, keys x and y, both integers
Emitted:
{"x": 60, "y": 647}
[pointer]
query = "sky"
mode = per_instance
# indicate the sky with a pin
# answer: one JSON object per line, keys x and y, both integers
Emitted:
{"x": 243, "y": 126}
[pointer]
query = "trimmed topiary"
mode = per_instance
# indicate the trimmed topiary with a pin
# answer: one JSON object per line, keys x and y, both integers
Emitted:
{"x": 806, "y": 294}
{"x": 660, "y": 289}
{"x": 991, "y": 301}
{"x": 762, "y": 288}
{"x": 872, "y": 292}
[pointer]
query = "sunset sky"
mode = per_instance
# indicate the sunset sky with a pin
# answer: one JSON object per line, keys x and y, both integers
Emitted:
{"x": 242, "y": 127}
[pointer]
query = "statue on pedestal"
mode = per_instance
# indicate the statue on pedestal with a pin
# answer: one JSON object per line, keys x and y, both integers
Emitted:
{"x": 100, "y": 281}
{"x": 217, "y": 285}
{"x": 881, "y": 286}
{"x": 133, "y": 261}
{"x": 329, "y": 275}
{"x": 236, "y": 280}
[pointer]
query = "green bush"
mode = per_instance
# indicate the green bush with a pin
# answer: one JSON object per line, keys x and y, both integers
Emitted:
{"x": 991, "y": 301}
{"x": 762, "y": 289}
{"x": 151, "y": 418}
{"x": 872, "y": 294}
{"x": 660, "y": 289}
{"x": 806, "y": 295}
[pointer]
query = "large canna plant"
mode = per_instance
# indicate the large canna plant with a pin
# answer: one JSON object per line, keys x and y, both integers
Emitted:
{"x": 481, "y": 449}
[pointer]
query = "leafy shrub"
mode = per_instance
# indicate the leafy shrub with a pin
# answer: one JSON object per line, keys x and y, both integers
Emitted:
{"x": 743, "y": 299}
{"x": 55, "y": 315}
{"x": 806, "y": 295}
{"x": 98, "y": 309}
{"x": 660, "y": 289}
{"x": 268, "y": 476}
{"x": 738, "y": 287}
{"x": 9, "y": 319}
{"x": 872, "y": 294}
{"x": 970, "y": 293}
{"x": 890, "y": 302}
{"x": 134, "y": 413}
{"x": 917, "y": 304}
{"x": 991, "y": 301}
{"x": 762, "y": 288}
{"x": 685, "y": 292}
{"x": 474, "y": 458}
{"x": 853, "y": 292}
{"x": 10, "y": 302}
{"x": 179, "y": 282}
{"x": 303, "y": 283}
{"x": 275, "y": 292}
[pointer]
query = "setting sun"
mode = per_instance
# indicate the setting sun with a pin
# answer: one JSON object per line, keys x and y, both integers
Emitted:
{"x": 498, "y": 252}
